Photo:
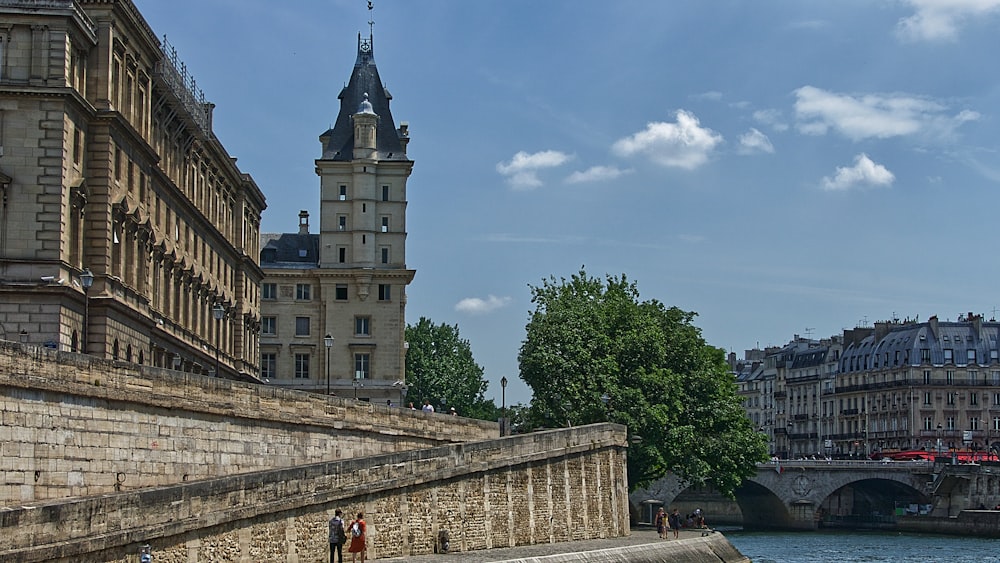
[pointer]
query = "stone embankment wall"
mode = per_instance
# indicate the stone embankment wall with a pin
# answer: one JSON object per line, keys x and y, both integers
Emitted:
{"x": 972, "y": 523}
{"x": 554, "y": 486}
{"x": 72, "y": 425}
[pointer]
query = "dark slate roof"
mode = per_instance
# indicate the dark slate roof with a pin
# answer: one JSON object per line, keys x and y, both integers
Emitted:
{"x": 289, "y": 250}
{"x": 364, "y": 80}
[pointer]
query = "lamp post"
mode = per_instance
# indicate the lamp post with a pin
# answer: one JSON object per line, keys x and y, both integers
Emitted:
{"x": 218, "y": 312}
{"x": 605, "y": 399}
{"x": 357, "y": 383}
{"x": 939, "y": 439}
{"x": 503, "y": 405}
{"x": 328, "y": 342}
{"x": 86, "y": 280}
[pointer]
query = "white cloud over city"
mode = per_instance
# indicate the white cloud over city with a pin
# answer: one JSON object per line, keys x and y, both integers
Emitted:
{"x": 596, "y": 174}
{"x": 940, "y": 20}
{"x": 521, "y": 171}
{"x": 479, "y": 306}
{"x": 682, "y": 144}
{"x": 878, "y": 116}
{"x": 753, "y": 142}
{"x": 864, "y": 173}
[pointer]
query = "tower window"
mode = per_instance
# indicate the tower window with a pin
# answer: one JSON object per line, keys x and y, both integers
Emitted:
{"x": 343, "y": 192}
{"x": 385, "y": 193}
{"x": 384, "y": 292}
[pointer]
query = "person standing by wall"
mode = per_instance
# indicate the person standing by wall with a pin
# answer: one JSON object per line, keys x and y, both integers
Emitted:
{"x": 674, "y": 520}
{"x": 358, "y": 530}
{"x": 337, "y": 536}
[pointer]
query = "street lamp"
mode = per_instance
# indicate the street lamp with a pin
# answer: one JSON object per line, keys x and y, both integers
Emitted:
{"x": 86, "y": 280}
{"x": 605, "y": 399}
{"x": 328, "y": 342}
{"x": 218, "y": 312}
{"x": 503, "y": 405}
{"x": 357, "y": 383}
{"x": 939, "y": 439}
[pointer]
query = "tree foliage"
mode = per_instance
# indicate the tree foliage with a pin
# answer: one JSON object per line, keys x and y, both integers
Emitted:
{"x": 590, "y": 338}
{"x": 440, "y": 368}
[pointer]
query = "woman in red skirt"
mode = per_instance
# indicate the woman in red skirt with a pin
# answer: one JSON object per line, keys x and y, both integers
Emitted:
{"x": 357, "y": 531}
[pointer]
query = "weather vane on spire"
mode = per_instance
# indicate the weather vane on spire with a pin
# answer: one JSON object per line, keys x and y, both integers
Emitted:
{"x": 371, "y": 22}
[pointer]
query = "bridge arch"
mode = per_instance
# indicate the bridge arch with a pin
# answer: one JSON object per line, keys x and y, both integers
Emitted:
{"x": 798, "y": 495}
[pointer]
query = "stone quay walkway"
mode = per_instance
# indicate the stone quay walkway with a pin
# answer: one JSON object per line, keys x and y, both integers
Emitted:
{"x": 638, "y": 537}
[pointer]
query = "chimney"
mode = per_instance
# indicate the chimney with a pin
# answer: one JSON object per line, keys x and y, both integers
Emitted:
{"x": 933, "y": 324}
{"x": 303, "y": 222}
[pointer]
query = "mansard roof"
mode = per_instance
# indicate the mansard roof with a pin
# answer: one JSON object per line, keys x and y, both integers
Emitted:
{"x": 365, "y": 81}
{"x": 968, "y": 342}
{"x": 289, "y": 250}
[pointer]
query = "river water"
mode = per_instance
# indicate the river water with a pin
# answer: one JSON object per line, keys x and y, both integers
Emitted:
{"x": 869, "y": 547}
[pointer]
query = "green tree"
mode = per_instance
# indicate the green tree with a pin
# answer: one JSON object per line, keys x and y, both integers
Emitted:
{"x": 594, "y": 352}
{"x": 440, "y": 368}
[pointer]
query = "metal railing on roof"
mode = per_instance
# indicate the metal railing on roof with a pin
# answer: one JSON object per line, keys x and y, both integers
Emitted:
{"x": 175, "y": 76}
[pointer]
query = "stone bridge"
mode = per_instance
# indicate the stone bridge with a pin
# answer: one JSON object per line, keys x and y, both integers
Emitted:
{"x": 797, "y": 494}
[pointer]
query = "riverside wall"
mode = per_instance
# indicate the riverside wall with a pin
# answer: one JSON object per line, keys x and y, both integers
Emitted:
{"x": 555, "y": 486}
{"x": 73, "y": 425}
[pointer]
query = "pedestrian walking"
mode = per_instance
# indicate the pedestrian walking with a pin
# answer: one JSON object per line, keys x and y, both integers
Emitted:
{"x": 337, "y": 536}
{"x": 358, "y": 530}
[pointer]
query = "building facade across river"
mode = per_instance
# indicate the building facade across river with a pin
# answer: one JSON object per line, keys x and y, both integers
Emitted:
{"x": 901, "y": 385}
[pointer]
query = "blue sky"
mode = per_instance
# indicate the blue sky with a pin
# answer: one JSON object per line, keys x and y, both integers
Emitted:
{"x": 779, "y": 167}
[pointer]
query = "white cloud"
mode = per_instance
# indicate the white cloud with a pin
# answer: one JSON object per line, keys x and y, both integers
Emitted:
{"x": 865, "y": 172}
{"x": 684, "y": 144}
{"x": 939, "y": 20}
{"x": 753, "y": 141}
{"x": 771, "y": 117}
{"x": 522, "y": 170}
{"x": 873, "y": 115}
{"x": 596, "y": 174}
{"x": 477, "y": 306}
{"x": 713, "y": 95}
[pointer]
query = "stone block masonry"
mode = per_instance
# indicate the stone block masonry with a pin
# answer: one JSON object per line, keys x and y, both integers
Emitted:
{"x": 482, "y": 493}
{"x": 72, "y": 425}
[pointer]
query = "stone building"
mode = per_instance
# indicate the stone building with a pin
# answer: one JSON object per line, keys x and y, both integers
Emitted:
{"x": 126, "y": 229}
{"x": 333, "y": 302}
{"x": 900, "y": 385}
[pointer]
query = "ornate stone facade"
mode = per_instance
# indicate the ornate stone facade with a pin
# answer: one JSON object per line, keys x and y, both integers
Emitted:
{"x": 109, "y": 167}
{"x": 349, "y": 281}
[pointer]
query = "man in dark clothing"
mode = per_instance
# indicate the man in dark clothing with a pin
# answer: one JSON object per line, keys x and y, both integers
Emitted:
{"x": 337, "y": 536}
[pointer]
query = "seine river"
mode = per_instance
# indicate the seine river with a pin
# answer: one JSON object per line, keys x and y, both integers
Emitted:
{"x": 870, "y": 547}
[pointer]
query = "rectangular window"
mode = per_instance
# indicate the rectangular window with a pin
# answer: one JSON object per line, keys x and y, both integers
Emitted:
{"x": 303, "y": 292}
{"x": 928, "y": 423}
{"x": 951, "y": 422}
{"x": 268, "y": 365}
{"x": 948, "y": 356}
{"x": 973, "y": 376}
{"x": 385, "y": 193}
{"x": 341, "y": 222}
{"x": 927, "y": 377}
{"x": 343, "y": 192}
{"x": 970, "y": 355}
{"x": 77, "y": 145}
{"x": 385, "y": 254}
{"x": 951, "y": 398}
{"x": 927, "y": 397}
{"x": 973, "y": 399}
{"x": 342, "y": 254}
{"x": 301, "y": 326}
{"x": 384, "y": 292}
{"x": 362, "y": 326}
{"x": 269, "y": 291}
{"x": 301, "y": 366}
{"x": 385, "y": 224}
{"x": 996, "y": 399}
{"x": 341, "y": 292}
{"x": 973, "y": 423}
{"x": 268, "y": 326}
{"x": 996, "y": 422}
{"x": 362, "y": 366}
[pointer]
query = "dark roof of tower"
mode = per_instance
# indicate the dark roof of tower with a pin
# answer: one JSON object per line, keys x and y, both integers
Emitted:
{"x": 364, "y": 81}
